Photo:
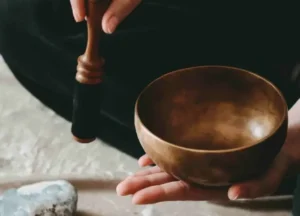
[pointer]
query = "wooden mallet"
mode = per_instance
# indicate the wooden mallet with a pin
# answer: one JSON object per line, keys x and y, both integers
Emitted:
{"x": 89, "y": 77}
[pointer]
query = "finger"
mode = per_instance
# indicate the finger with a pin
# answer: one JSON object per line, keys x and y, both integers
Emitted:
{"x": 116, "y": 13}
{"x": 78, "y": 8}
{"x": 136, "y": 183}
{"x": 145, "y": 172}
{"x": 176, "y": 191}
{"x": 149, "y": 171}
{"x": 145, "y": 160}
{"x": 263, "y": 186}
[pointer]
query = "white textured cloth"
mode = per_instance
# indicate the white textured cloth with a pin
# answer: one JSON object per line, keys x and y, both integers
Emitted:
{"x": 36, "y": 144}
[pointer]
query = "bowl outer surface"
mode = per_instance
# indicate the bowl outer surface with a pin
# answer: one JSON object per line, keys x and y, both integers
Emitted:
{"x": 211, "y": 168}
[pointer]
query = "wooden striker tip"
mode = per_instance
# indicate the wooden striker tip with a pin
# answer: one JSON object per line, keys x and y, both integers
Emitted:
{"x": 83, "y": 141}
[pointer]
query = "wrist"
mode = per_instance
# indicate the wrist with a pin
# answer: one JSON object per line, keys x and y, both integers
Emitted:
{"x": 294, "y": 115}
{"x": 291, "y": 148}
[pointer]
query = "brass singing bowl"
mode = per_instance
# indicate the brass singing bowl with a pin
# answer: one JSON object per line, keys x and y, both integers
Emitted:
{"x": 211, "y": 125}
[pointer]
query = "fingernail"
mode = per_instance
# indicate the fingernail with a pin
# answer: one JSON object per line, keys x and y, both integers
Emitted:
{"x": 136, "y": 200}
{"x": 119, "y": 190}
{"x": 76, "y": 16}
{"x": 242, "y": 194}
{"x": 234, "y": 194}
{"x": 141, "y": 165}
{"x": 111, "y": 25}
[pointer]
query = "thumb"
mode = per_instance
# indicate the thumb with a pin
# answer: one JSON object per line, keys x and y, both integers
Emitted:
{"x": 116, "y": 13}
{"x": 265, "y": 185}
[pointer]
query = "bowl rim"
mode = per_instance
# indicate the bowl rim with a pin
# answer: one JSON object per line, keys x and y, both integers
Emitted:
{"x": 284, "y": 116}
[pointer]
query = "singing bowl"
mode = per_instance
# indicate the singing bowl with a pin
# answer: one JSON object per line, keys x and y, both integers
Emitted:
{"x": 211, "y": 125}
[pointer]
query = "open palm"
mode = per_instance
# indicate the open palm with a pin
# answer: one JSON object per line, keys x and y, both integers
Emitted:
{"x": 153, "y": 185}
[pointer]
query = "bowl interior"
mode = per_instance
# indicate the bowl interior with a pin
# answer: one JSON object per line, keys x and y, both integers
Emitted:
{"x": 211, "y": 108}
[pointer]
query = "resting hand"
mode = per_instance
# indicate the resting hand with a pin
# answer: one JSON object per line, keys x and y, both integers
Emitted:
{"x": 153, "y": 185}
{"x": 115, "y": 14}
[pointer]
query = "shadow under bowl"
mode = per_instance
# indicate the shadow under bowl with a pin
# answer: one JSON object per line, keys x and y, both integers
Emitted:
{"x": 211, "y": 125}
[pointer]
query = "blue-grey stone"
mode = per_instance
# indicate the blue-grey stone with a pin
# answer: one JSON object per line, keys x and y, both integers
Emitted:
{"x": 48, "y": 198}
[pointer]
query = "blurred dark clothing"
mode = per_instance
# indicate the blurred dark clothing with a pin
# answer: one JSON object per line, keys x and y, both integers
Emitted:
{"x": 40, "y": 42}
